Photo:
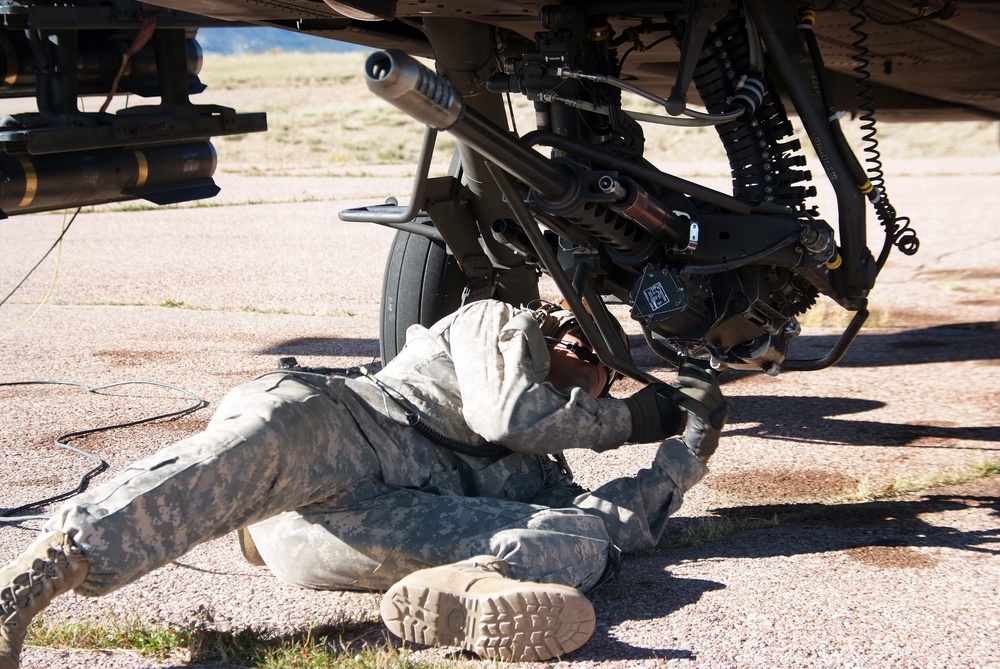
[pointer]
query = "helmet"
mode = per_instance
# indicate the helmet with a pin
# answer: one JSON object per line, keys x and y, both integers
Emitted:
{"x": 555, "y": 320}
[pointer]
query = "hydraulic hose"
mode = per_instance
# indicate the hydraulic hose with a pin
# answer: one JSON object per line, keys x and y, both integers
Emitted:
{"x": 781, "y": 37}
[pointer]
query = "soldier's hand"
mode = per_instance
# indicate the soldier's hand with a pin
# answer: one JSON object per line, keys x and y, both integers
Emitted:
{"x": 655, "y": 415}
{"x": 698, "y": 393}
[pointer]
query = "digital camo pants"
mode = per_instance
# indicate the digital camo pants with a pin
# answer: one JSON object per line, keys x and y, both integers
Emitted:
{"x": 300, "y": 465}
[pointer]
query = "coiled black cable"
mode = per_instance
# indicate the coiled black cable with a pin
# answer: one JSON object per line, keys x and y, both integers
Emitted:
{"x": 486, "y": 450}
{"x": 13, "y": 515}
{"x": 866, "y": 103}
{"x": 897, "y": 228}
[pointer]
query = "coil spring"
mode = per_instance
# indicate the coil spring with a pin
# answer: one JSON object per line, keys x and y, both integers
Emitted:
{"x": 615, "y": 231}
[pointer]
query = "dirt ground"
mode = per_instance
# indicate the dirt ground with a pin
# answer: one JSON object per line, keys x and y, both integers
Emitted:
{"x": 207, "y": 297}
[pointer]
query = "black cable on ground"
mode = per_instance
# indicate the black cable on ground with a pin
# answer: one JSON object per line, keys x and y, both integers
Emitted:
{"x": 9, "y": 516}
{"x": 46, "y": 255}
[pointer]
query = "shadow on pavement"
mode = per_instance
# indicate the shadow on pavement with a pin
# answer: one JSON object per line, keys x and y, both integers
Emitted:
{"x": 812, "y": 420}
{"x": 884, "y": 534}
{"x": 333, "y": 346}
{"x": 805, "y": 528}
{"x": 942, "y": 343}
{"x": 658, "y": 595}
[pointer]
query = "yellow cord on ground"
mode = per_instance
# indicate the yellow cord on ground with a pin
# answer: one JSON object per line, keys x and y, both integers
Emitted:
{"x": 48, "y": 292}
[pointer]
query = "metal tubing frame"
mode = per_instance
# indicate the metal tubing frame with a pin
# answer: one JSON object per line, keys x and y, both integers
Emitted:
{"x": 430, "y": 99}
{"x": 399, "y": 217}
{"x": 836, "y": 353}
{"x": 585, "y": 318}
{"x": 668, "y": 181}
{"x": 778, "y": 34}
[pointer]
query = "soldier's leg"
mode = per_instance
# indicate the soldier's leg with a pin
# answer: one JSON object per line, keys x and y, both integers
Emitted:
{"x": 635, "y": 509}
{"x": 499, "y": 578}
{"x": 377, "y": 534}
{"x": 273, "y": 444}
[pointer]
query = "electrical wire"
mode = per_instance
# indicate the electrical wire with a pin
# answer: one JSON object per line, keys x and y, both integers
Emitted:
{"x": 510, "y": 112}
{"x": 866, "y": 103}
{"x": 146, "y": 30}
{"x": 668, "y": 120}
{"x": 735, "y": 263}
{"x": 10, "y": 515}
{"x": 711, "y": 119}
{"x": 48, "y": 291}
{"x": 42, "y": 259}
{"x": 644, "y": 47}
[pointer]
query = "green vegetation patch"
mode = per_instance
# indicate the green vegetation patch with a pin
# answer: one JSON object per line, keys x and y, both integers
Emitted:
{"x": 331, "y": 646}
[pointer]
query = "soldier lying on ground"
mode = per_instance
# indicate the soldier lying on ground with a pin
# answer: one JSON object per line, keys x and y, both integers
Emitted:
{"x": 440, "y": 480}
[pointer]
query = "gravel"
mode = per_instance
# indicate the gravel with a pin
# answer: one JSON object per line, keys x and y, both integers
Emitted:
{"x": 206, "y": 298}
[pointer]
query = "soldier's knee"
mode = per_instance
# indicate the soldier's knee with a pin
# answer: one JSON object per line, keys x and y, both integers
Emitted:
{"x": 564, "y": 546}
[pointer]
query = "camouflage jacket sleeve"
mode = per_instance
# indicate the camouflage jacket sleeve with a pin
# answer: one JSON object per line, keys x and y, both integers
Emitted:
{"x": 501, "y": 363}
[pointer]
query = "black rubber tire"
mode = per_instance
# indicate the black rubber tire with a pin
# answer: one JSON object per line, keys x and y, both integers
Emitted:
{"x": 422, "y": 283}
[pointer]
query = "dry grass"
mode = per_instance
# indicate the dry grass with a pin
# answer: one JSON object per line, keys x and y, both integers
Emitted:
{"x": 322, "y": 117}
{"x": 711, "y": 528}
{"x": 828, "y": 314}
{"x": 294, "y": 70}
{"x": 338, "y": 646}
{"x": 869, "y": 491}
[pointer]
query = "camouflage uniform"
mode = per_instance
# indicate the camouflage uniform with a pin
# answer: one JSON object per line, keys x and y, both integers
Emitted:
{"x": 339, "y": 493}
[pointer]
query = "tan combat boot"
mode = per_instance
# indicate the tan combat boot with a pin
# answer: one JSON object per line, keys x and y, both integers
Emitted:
{"x": 51, "y": 566}
{"x": 475, "y": 605}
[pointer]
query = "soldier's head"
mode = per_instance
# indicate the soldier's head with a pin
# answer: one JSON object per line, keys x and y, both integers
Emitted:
{"x": 572, "y": 360}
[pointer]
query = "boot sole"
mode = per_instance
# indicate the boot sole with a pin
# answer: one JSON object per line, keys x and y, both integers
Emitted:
{"x": 522, "y": 624}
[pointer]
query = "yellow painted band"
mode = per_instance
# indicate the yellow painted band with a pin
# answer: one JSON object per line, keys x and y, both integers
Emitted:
{"x": 867, "y": 187}
{"x": 834, "y": 262}
{"x": 143, "y": 172}
{"x": 809, "y": 16}
{"x": 30, "y": 180}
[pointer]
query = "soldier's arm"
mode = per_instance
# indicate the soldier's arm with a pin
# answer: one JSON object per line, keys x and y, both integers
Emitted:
{"x": 501, "y": 362}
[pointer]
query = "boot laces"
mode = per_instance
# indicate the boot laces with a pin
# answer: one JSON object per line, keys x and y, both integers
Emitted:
{"x": 15, "y": 597}
{"x": 476, "y": 569}
{"x": 19, "y": 593}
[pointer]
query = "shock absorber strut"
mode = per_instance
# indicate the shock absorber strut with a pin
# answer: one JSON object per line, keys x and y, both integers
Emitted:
{"x": 409, "y": 86}
{"x": 559, "y": 187}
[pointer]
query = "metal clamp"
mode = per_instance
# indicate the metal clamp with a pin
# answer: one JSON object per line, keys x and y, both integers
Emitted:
{"x": 693, "y": 233}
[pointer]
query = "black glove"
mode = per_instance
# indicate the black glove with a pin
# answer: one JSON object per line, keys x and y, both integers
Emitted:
{"x": 655, "y": 415}
{"x": 698, "y": 393}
